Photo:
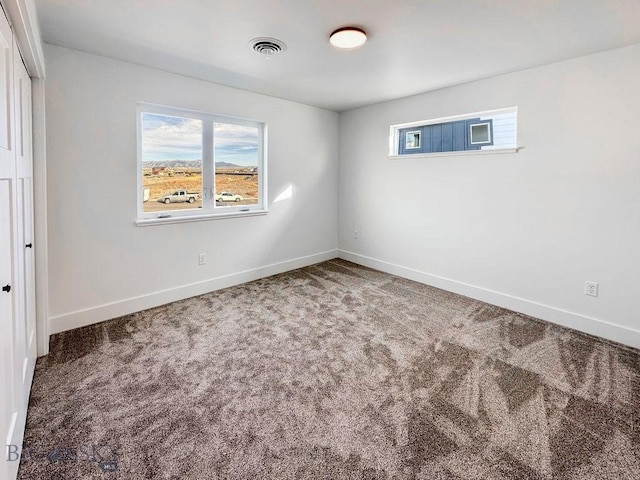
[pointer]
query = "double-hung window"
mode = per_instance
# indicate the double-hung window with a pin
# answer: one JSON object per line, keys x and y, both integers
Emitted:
{"x": 194, "y": 165}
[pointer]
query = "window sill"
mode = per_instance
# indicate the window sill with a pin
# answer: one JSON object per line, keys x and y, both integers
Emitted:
{"x": 147, "y": 222}
{"x": 463, "y": 153}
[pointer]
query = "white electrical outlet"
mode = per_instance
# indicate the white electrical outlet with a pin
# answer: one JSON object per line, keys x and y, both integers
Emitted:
{"x": 356, "y": 234}
{"x": 591, "y": 289}
{"x": 202, "y": 259}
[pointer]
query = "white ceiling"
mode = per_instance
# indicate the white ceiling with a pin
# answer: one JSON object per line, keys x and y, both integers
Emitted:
{"x": 414, "y": 45}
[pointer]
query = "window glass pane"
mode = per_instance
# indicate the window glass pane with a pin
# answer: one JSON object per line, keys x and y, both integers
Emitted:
{"x": 235, "y": 153}
{"x": 171, "y": 163}
{"x": 413, "y": 140}
{"x": 480, "y": 133}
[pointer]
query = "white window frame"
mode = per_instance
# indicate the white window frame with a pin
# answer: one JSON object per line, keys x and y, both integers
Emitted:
{"x": 394, "y": 135}
{"x": 414, "y": 133}
{"x": 479, "y": 124}
{"x": 210, "y": 210}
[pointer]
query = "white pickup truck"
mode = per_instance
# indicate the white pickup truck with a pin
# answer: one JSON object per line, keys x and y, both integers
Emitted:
{"x": 180, "y": 196}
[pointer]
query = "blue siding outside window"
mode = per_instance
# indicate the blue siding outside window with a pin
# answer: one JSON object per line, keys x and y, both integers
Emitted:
{"x": 442, "y": 137}
{"x": 436, "y": 138}
{"x": 447, "y": 137}
{"x": 459, "y": 136}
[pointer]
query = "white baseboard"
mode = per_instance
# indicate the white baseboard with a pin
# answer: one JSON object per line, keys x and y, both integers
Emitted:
{"x": 100, "y": 313}
{"x": 576, "y": 321}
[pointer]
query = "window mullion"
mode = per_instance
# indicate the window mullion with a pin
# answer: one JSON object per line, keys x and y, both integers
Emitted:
{"x": 208, "y": 166}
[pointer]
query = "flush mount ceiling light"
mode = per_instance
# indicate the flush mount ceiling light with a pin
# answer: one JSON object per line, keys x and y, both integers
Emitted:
{"x": 348, "y": 37}
{"x": 267, "y": 46}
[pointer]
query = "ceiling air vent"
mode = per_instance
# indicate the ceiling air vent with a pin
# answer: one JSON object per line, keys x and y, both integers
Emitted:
{"x": 267, "y": 46}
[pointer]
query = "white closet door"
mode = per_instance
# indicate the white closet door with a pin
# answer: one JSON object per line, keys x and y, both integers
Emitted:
{"x": 9, "y": 405}
{"x": 26, "y": 318}
{"x": 17, "y": 273}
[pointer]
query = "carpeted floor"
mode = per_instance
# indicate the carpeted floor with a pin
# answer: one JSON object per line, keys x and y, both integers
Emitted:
{"x": 334, "y": 371}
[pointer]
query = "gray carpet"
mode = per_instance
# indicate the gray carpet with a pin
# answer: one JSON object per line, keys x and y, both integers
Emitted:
{"x": 333, "y": 371}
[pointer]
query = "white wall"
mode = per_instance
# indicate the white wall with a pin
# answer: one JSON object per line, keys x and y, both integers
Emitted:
{"x": 522, "y": 230}
{"x": 100, "y": 264}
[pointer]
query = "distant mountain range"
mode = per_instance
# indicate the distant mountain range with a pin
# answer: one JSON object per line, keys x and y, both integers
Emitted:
{"x": 227, "y": 165}
{"x": 186, "y": 164}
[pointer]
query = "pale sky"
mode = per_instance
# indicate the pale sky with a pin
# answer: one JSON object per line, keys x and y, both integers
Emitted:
{"x": 175, "y": 138}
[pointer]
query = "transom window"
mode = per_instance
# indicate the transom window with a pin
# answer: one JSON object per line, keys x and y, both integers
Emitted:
{"x": 194, "y": 164}
{"x": 494, "y": 130}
